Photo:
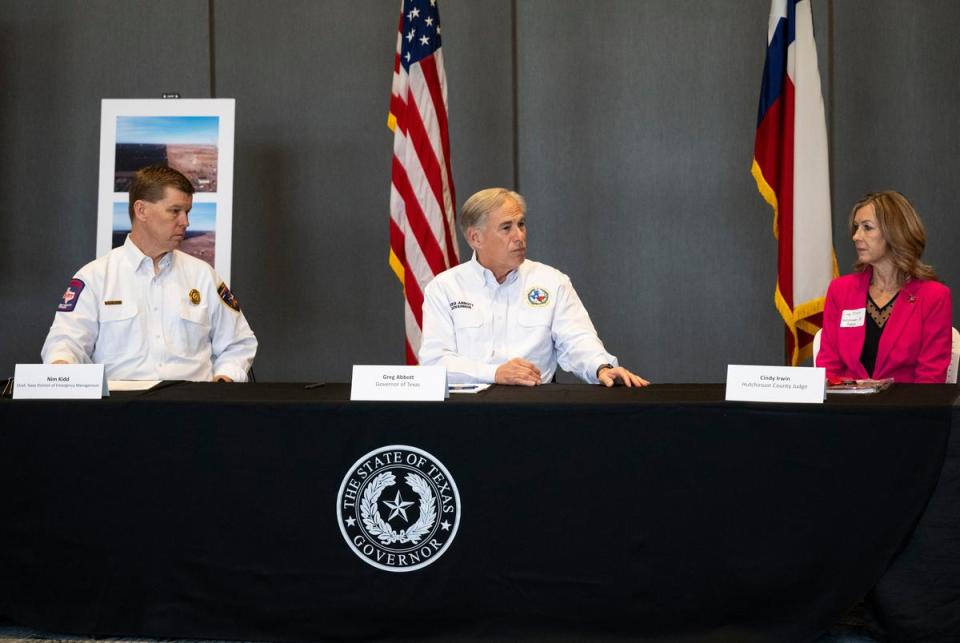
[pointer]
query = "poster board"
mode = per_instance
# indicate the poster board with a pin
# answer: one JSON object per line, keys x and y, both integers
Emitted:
{"x": 194, "y": 136}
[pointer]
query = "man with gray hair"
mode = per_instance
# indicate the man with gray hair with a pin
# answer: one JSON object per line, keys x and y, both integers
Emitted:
{"x": 501, "y": 318}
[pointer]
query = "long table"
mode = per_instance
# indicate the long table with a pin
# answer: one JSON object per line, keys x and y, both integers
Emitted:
{"x": 275, "y": 512}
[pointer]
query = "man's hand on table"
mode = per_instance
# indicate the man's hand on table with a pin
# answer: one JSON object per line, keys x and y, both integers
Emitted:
{"x": 519, "y": 372}
{"x": 609, "y": 375}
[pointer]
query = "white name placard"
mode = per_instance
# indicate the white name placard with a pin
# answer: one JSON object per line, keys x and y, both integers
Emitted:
{"x": 399, "y": 383}
{"x": 59, "y": 382}
{"x": 775, "y": 384}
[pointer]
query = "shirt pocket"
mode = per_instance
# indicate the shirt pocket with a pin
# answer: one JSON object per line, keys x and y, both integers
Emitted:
{"x": 466, "y": 319}
{"x": 472, "y": 338}
{"x": 119, "y": 331}
{"x": 534, "y": 332}
{"x": 193, "y": 331}
{"x": 535, "y": 317}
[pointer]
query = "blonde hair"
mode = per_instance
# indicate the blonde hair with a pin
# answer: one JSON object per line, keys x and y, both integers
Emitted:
{"x": 903, "y": 231}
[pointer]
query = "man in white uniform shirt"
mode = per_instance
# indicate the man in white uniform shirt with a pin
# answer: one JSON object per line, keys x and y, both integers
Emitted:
{"x": 500, "y": 318}
{"x": 147, "y": 311}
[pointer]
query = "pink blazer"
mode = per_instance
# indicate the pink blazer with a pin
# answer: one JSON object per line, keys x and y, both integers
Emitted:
{"x": 915, "y": 344}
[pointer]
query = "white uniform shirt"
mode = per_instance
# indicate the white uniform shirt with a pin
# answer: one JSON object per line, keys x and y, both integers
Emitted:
{"x": 170, "y": 326}
{"x": 472, "y": 324}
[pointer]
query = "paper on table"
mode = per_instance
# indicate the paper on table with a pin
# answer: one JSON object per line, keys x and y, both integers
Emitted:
{"x": 854, "y": 387}
{"x": 468, "y": 388}
{"x": 131, "y": 385}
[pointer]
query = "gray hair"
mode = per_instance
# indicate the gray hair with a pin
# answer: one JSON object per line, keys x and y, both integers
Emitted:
{"x": 476, "y": 208}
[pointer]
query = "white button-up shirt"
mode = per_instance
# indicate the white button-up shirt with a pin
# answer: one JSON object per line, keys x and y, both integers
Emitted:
{"x": 173, "y": 325}
{"x": 472, "y": 324}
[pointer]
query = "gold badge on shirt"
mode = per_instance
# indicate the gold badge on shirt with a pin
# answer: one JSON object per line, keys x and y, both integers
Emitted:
{"x": 194, "y": 296}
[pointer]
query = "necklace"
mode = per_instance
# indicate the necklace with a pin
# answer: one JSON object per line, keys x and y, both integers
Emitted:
{"x": 894, "y": 287}
{"x": 884, "y": 289}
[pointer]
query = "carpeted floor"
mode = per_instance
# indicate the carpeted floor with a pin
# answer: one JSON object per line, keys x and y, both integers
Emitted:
{"x": 10, "y": 633}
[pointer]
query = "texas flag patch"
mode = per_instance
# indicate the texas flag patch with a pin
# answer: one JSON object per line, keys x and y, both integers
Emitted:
{"x": 69, "y": 300}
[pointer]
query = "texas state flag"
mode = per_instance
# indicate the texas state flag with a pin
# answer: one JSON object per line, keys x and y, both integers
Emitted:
{"x": 790, "y": 166}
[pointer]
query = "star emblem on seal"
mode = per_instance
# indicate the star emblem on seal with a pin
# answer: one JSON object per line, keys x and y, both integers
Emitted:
{"x": 399, "y": 507}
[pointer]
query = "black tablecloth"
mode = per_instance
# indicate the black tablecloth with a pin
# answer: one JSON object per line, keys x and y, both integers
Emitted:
{"x": 209, "y": 510}
{"x": 918, "y": 598}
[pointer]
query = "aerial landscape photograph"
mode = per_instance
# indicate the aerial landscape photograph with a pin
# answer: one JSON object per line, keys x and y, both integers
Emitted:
{"x": 185, "y": 143}
{"x": 201, "y": 237}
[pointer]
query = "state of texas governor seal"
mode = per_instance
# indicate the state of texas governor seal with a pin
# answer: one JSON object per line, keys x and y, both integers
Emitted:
{"x": 398, "y": 508}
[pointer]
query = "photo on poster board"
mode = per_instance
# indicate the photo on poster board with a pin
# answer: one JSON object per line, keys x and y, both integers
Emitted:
{"x": 185, "y": 143}
{"x": 201, "y": 237}
{"x": 193, "y": 136}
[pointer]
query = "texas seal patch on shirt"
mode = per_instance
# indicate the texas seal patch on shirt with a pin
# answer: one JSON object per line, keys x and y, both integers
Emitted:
{"x": 228, "y": 297}
{"x": 538, "y": 296}
{"x": 69, "y": 300}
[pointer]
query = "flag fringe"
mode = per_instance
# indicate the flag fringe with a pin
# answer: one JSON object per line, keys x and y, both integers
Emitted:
{"x": 795, "y": 319}
{"x": 767, "y": 193}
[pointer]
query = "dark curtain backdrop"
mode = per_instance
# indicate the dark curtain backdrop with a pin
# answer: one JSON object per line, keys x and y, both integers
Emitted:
{"x": 628, "y": 125}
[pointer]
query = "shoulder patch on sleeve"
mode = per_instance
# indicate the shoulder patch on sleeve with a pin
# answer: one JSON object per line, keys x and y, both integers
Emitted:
{"x": 70, "y": 297}
{"x": 228, "y": 297}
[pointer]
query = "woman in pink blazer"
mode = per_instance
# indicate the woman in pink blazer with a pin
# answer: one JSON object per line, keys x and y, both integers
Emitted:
{"x": 892, "y": 317}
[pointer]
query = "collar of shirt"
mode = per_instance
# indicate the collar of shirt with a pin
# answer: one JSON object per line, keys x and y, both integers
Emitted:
{"x": 486, "y": 277}
{"x": 136, "y": 258}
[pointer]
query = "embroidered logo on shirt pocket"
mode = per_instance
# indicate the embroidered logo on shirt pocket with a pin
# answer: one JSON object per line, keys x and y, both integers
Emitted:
{"x": 538, "y": 296}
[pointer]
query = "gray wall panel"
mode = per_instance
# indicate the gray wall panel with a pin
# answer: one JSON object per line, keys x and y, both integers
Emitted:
{"x": 896, "y": 120}
{"x": 312, "y": 83}
{"x": 313, "y": 166}
{"x": 57, "y": 60}
{"x": 477, "y": 45}
{"x": 636, "y": 129}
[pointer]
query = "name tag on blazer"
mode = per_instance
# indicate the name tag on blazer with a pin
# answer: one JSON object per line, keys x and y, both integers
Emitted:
{"x": 853, "y": 318}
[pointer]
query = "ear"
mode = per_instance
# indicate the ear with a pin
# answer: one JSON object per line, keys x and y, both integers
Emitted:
{"x": 474, "y": 237}
{"x": 139, "y": 209}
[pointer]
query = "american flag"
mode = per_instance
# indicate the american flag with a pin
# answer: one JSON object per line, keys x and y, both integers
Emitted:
{"x": 790, "y": 166}
{"x": 422, "y": 199}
